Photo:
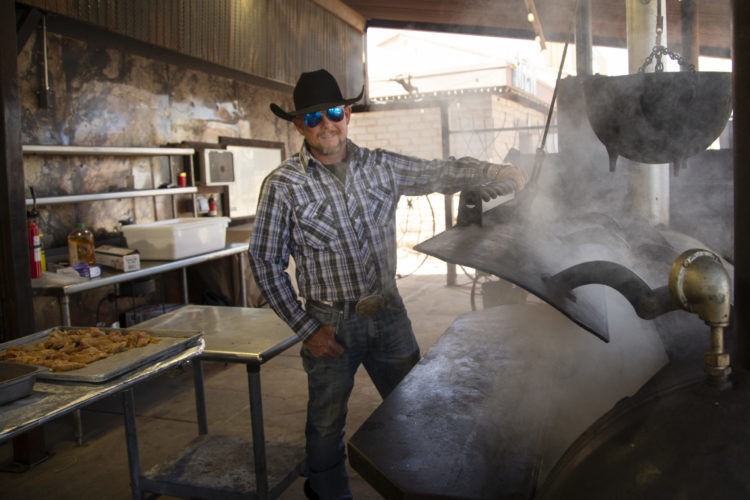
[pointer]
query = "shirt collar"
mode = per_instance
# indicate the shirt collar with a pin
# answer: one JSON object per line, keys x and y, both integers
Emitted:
{"x": 306, "y": 156}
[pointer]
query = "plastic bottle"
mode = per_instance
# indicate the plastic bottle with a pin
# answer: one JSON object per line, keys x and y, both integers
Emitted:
{"x": 212, "y": 207}
{"x": 81, "y": 246}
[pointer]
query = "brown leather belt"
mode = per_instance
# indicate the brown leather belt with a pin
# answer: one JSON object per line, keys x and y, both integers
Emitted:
{"x": 366, "y": 306}
{"x": 338, "y": 305}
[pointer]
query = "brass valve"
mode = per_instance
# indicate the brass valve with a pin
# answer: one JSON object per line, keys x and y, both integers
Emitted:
{"x": 699, "y": 283}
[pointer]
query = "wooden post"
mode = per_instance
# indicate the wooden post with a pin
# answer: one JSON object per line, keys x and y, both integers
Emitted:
{"x": 689, "y": 30}
{"x": 16, "y": 302}
{"x": 741, "y": 123}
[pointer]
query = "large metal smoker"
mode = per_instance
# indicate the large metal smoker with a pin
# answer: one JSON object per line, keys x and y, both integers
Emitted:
{"x": 501, "y": 408}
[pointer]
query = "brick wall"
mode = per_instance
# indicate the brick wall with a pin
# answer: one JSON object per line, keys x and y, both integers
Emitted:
{"x": 417, "y": 132}
{"x": 414, "y": 132}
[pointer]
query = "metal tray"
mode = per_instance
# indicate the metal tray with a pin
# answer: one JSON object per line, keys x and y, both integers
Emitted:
{"x": 17, "y": 380}
{"x": 172, "y": 342}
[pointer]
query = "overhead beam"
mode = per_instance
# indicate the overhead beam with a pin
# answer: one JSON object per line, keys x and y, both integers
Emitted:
{"x": 531, "y": 10}
{"x": 344, "y": 12}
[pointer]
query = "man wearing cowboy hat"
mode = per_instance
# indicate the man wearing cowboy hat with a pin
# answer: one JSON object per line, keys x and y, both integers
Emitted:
{"x": 332, "y": 207}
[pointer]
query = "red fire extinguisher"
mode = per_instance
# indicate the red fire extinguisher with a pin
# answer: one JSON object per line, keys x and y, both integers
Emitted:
{"x": 35, "y": 249}
{"x": 35, "y": 244}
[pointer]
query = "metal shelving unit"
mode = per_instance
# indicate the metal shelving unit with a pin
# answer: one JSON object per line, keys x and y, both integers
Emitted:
{"x": 48, "y": 285}
{"x": 37, "y": 149}
{"x": 139, "y": 193}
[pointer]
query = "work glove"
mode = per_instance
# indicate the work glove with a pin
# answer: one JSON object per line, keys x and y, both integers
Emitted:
{"x": 510, "y": 179}
{"x": 514, "y": 173}
{"x": 493, "y": 189}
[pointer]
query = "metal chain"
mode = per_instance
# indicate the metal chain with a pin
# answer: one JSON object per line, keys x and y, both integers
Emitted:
{"x": 660, "y": 51}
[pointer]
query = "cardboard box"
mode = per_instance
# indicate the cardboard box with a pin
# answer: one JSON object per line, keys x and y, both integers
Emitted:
{"x": 242, "y": 233}
{"x": 121, "y": 259}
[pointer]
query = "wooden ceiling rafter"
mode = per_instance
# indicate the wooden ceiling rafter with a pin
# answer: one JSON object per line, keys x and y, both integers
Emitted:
{"x": 508, "y": 18}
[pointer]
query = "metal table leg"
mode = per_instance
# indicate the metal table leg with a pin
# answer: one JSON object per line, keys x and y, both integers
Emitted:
{"x": 200, "y": 397}
{"x": 65, "y": 310}
{"x": 77, "y": 424}
{"x": 131, "y": 439}
{"x": 78, "y": 427}
{"x": 183, "y": 273}
{"x": 259, "y": 438}
{"x": 243, "y": 284}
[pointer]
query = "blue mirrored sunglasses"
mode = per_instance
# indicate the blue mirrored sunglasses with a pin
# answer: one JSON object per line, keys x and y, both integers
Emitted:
{"x": 333, "y": 114}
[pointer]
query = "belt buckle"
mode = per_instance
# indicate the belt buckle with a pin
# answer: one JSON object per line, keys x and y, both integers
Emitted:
{"x": 370, "y": 305}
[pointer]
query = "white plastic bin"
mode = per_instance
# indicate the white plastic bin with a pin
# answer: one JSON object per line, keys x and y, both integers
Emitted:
{"x": 177, "y": 238}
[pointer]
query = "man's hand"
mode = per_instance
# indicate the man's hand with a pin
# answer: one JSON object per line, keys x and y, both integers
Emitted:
{"x": 493, "y": 189}
{"x": 513, "y": 173}
{"x": 321, "y": 344}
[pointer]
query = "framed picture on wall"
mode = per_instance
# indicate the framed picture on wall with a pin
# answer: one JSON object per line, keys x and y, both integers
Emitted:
{"x": 253, "y": 161}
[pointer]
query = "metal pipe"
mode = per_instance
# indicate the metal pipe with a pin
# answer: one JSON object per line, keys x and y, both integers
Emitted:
{"x": 259, "y": 439}
{"x": 448, "y": 198}
{"x": 115, "y": 195}
{"x": 65, "y": 310}
{"x": 243, "y": 282}
{"x": 699, "y": 283}
{"x": 649, "y": 183}
{"x": 44, "y": 51}
{"x": 647, "y": 303}
{"x": 583, "y": 39}
{"x": 39, "y": 149}
{"x": 501, "y": 129}
{"x": 689, "y": 31}
{"x": 200, "y": 397}
{"x": 44, "y": 93}
{"x": 131, "y": 439}
{"x": 183, "y": 277}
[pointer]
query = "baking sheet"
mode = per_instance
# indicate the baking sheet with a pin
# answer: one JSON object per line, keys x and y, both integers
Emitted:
{"x": 172, "y": 342}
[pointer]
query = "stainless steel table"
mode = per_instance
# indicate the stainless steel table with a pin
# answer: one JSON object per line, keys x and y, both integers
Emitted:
{"x": 218, "y": 466}
{"x": 51, "y": 400}
{"x": 62, "y": 287}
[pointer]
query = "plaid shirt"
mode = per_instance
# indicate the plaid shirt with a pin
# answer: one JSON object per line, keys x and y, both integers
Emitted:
{"x": 342, "y": 238}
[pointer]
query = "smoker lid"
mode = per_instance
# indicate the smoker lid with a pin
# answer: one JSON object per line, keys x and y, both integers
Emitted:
{"x": 531, "y": 253}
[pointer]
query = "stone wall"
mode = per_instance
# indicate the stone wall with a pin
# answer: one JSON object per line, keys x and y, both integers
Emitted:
{"x": 107, "y": 97}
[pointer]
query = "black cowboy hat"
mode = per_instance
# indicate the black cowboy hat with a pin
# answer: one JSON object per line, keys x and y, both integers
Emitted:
{"x": 315, "y": 91}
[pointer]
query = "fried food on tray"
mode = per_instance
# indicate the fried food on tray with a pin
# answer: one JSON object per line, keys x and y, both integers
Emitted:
{"x": 65, "y": 350}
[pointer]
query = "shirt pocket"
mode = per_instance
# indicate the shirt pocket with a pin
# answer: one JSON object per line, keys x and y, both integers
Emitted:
{"x": 380, "y": 205}
{"x": 317, "y": 225}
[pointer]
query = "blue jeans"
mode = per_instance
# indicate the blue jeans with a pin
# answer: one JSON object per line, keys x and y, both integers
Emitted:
{"x": 386, "y": 346}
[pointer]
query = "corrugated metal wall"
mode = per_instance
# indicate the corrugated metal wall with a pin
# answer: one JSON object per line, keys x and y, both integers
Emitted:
{"x": 273, "y": 39}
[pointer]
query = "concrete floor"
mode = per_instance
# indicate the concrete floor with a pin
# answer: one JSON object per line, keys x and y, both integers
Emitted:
{"x": 166, "y": 418}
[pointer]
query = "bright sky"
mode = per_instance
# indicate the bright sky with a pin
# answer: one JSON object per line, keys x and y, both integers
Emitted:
{"x": 425, "y": 52}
